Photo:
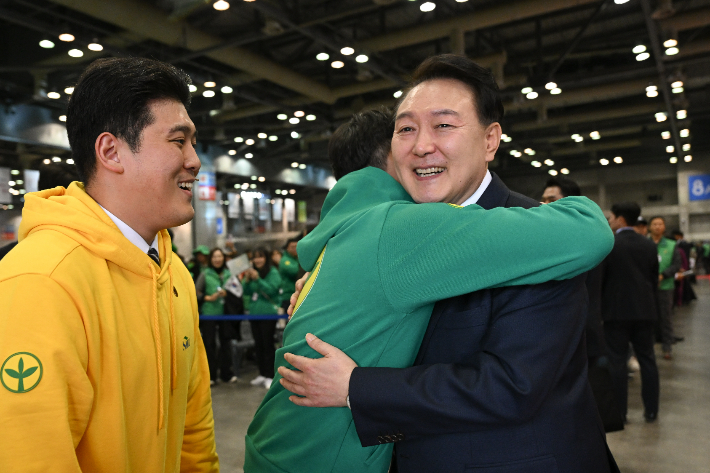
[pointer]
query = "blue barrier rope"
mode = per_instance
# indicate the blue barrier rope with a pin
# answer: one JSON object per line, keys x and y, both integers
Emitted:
{"x": 243, "y": 317}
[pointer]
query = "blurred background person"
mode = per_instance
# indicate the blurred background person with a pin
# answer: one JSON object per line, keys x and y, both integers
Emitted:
{"x": 276, "y": 257}
{"x": 597, "y": 356}
{"x": 684, "y": 291}
{"x": 199, "y": 261}
{"x": 262, "y": 285}
{"x": 289, "y": 271}
{"x": 641, "y": 226}
{"x": 669, "y": 265}
{"x": 210, "y": 287}
{"x": 629, "y": 284}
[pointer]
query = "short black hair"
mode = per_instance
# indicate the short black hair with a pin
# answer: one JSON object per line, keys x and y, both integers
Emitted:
{"x": 654, "y": 218}
{"x": 478, "y": 79}
{"x": 365, "y": 140}
{"x": 629, "y": 210}
{"x": 567, "y": 186}
{"x": 291, "y": 240}
{"x": 677, "y": 232}
{"x": 114, "y": 95}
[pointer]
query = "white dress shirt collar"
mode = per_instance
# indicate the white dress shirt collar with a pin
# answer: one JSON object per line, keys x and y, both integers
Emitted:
{"x": 131, "y": 234}
{"x": 479, "y": 192}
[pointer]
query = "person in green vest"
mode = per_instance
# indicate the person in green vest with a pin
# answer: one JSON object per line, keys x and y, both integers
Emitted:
{"x": 378, "y": 264}
{"x": 669, "y": 263}
{"x": 200, "y": 259}
{"x": 262, "y": 285}
{"x": 210, "y": 288}
{"x": 289, "y": 271}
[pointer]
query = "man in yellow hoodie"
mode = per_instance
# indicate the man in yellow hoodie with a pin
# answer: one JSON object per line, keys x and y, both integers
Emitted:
{"x": 102, "y": 367}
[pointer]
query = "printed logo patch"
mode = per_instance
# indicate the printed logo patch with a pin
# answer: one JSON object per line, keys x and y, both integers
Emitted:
{"x": 185, "y": 344}
{"x": 21, "y": 372}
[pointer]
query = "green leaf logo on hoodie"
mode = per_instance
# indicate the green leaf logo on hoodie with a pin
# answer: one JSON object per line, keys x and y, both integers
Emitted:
{"x": 21, "y": 372}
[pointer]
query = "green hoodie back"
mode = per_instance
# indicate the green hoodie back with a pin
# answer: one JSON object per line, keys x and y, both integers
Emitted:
{"x": 387, "y": 261}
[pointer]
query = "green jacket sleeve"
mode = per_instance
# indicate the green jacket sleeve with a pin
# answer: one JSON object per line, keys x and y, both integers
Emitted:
{"x": 429, "y": 252}
{"x": 288, "y": 270}
{"x": 270, "y": 285}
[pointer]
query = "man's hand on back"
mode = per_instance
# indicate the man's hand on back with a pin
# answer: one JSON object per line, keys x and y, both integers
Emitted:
{"x": 320, "y": 382}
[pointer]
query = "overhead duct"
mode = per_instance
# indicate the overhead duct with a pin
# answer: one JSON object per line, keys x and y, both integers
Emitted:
{"x": 687, "y": 20}
{"x": 152, "y": 23}
{"x": 479, "y": 19}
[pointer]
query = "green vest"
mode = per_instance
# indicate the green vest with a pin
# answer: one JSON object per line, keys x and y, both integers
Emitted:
{"x": 212, "y": 282}
{"x": 666, "y": 248}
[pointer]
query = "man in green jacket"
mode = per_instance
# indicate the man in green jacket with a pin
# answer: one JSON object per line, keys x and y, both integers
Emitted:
{"x": 669, "y": 263}
{"x": 378, "y": 264}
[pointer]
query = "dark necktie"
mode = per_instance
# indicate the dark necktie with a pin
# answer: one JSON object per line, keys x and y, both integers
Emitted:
{"x": 154, "y": 256}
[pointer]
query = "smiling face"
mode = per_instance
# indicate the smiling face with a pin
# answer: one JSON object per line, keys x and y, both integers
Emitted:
{"x": 157, "y": 178}
{"x": 440, "y": 149}
{"x": 217, "y": 259}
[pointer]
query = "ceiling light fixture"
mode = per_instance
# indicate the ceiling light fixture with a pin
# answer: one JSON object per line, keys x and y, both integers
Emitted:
{"x": 299, "y": 113}
{"x": 556, "y": 91}
{"x": 249, "y": 142}
{"x": 62, "y": 118}
{"x": 337, "y": 64}
{"x": 642, "y": 57}
{"x": 688, "y": 158}
{"x": 686, "y": 147}
{"x": 282, "y": 116}
{"x": 684, "y": 133}
{"x": 397, "y": 94}
{"x": 239, "y": 139}
{"x": 310, "y": 118}
{"x": 294, "y": 164}
{"x": 347, "y": 51}
{"x": 549, "y": 162}
{"x": 262, "y": 136}
{"x": 301, "y": 166}
{"x": 603, "y": 162}
{"x": 550, "y": 86}
{"x": 53, "y": 95}
{"x": 427, "y": 6}
{"x": 552, "y": 172}
{"x": 661, "y": 117}
{"x": 535, "y": 164}
{"x": 673, "y": 160}
{"x": 66, "y": 37}
{"x": 618, "y": 160}
{"x": 208, "y": 93}
{"x": 248, "y": 155}
{"x": 210, "y": 84}
{"x": 678, "y": 83}
{"x": 232, "y": 152}
{"x": 681, "y": 114}
{"x": 227, "y": 89}
{"x": 595, "y": 135}
{"x": 666, "y": 135}
{"x": 75, "y": 52}
{"x": 670, "y": 149}
{"x": 295, "y": 135}
{"x": 362, "y": 58}
{"x": 273, "y": 138}
{"x": 193, "y": 88}
{"x": 678, "y": 90}
{"x": 564, "y": 171}
{"x": 639, "y": 49}
{"x": 294, "y": 121}
{"x": 531, "y": 95}
{"x": 95, "y": 46}
{"x": 69, "y": 90}
{"x": 672, "y": 51}
{"x": 526, "y": 90}
{"x": 322, "y": 56}
{"x": 670, "y": 43}
{"x": 46, "y": 44}
{"x": 220, "y": 5}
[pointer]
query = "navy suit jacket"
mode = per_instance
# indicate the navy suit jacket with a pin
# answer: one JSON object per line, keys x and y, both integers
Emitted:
{"x": 499, "y": 383}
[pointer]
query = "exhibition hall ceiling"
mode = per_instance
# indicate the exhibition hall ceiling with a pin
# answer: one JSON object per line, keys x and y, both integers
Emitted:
{"x": 584, "y": 82}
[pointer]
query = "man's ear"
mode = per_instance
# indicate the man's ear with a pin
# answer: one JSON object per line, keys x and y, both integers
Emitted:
{"x": 107, "y": 148}
{"x": 493, "y": 134}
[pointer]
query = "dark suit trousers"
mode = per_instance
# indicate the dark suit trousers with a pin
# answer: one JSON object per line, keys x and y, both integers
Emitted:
{"x": 640, "y": 333}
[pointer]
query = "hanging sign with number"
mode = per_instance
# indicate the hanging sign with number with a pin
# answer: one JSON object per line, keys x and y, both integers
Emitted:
{"x": 699, "y": 187}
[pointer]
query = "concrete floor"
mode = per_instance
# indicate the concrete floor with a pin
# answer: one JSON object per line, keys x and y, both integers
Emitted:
{"x": 678, "y": 442}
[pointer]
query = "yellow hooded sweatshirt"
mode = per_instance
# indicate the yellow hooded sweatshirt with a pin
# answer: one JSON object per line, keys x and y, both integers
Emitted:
{"x": 102, "y": 364}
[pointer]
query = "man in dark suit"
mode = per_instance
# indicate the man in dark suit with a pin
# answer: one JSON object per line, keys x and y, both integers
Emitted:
{"x": 499, "y": 383}
{"x": 629, "y": 283}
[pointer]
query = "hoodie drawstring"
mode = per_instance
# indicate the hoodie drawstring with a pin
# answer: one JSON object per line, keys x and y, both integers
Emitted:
{"x": 173, "y": 348}
{"x": 158, "y": 347}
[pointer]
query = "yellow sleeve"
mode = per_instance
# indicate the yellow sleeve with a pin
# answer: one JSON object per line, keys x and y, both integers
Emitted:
{"x": 45, "y": 393}
{"x": 199, "y": 452}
